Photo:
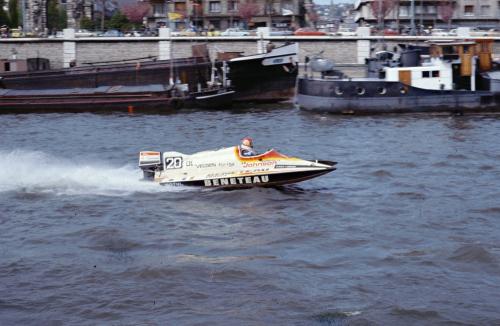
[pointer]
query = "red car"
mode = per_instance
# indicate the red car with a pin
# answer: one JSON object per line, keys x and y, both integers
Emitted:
{"x": 390, "y": 31}
{"x": 308, "y": 32}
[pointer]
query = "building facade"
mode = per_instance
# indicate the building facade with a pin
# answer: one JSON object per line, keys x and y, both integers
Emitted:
{"x": 469, "y": 13}
{"x": 34, "y": 14}
{"x": 223, "y": 14}
{"x": 76, "y": 10}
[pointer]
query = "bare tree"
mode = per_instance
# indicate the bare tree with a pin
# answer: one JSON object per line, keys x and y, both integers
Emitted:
{"x": 445, "y": 10}
{"x": 397, "y": 8}
{"x": 248, "y": 9}
{"x": 135, "y": 12}
{"x": 312, "y": 15}
{"x": 380, "y": 9}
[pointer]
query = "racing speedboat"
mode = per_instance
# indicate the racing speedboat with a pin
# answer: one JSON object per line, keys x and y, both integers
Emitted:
{"x": 227, "y": 168}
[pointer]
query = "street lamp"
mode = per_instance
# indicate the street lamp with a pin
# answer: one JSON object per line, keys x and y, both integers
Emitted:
{"x": 412, "y": 18}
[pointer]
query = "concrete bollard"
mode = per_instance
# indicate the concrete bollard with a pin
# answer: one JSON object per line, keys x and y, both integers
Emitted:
{"x": 165, "y": 46}
{"x": 69, "y": 47}
{"x": 262, "y": 32}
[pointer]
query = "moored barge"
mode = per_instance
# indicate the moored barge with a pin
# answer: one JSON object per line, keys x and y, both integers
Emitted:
{"x": 265, "y": 77}
{"x": 453, "y": 77}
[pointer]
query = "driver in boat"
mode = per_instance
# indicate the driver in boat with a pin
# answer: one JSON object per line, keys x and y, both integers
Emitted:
{"x": 246, "y": 147}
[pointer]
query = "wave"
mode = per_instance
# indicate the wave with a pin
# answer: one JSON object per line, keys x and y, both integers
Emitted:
{"x": 415, "y": 313}
{"x": 38, "y": 172}
{"x": 473, "y": 253}
{"x": 335, "y": 317}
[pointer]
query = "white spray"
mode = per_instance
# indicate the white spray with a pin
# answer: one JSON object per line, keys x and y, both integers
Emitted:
{"x": 37, "y": 172}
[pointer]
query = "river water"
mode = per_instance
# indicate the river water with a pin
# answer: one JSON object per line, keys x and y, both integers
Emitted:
{"x": 404, "y": 232}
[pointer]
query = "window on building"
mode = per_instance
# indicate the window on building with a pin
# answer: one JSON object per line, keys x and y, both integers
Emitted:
{"x": 214, "y": 24}
{"x": 214, "y": 6}
{"x": 287, "y": 5}
{"x": 180, "y": 7}
{"x": 468, "y": 10}
{"x": 232, "y": 6}
{"x": 485, "y": 10}
{"x": 158, "y": 9}
{"x": 404, "y": 11}
{"x": 431, "y": 10}
{"x": 268, "y": 8}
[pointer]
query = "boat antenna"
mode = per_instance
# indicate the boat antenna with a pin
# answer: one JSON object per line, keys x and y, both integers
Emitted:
{"x": 171, "y": 79}
{"x": 412, "y": 16}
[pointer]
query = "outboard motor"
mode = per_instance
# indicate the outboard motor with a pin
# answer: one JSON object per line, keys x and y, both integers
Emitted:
{"x": 150, "y": 162}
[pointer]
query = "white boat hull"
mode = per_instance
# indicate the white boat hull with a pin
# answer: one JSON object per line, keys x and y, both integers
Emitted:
{"x": 226, "y": 168}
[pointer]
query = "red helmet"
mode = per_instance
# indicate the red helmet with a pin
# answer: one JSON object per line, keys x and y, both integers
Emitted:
{"x": 247, "y": 141}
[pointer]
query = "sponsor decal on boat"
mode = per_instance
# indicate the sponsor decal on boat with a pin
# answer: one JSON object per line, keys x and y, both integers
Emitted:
{"x": 219, "y": 175}
{"x": 205, "y": 165}
{"x": 282, "y": 166}
{"x": 236, "y": 181}
{"x": 258, "y": 164}
{"x": 173, "y": 184}
{"x": 210, "y": 165}
{"x": 226, "y": 164}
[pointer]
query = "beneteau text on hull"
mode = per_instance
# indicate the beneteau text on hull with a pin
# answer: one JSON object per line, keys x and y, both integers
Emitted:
{"x": 227, "y": 168}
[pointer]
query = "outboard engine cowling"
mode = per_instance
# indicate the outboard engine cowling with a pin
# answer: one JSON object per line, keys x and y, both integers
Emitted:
{"x": 150, "y": 162}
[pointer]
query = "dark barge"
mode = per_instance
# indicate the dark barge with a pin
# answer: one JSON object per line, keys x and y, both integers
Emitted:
{"x": 452, "y": 77}
{"x": 267, "y": 77}
{"x": 157, "y": 97}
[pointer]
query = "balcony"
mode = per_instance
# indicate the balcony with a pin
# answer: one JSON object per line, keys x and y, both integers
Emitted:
{"x": 358, "y": 3}
{"x": 424, "y": 2}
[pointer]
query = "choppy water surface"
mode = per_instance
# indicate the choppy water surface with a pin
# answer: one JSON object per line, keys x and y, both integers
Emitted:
{"x": 404, "y": 232}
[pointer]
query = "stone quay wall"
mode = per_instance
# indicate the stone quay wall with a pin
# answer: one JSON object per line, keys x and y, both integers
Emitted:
{"x": 347, "y": 52}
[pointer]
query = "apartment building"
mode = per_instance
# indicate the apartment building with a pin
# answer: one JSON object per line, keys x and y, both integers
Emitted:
{"x": 473, "y": 13}
{"x": 222, "y": 14}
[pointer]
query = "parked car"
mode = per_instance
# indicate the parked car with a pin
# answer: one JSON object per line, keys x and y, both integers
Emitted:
{"x": 213, "y": 33}
{"x": 442, "y": 32}
{"x": 482, "y": 32}
{"x": 112, "y": 33}
{"x": 235, "y": 32}
{"x": 281, "y": 33}
{"x": 150, "y": 33}
{"x": 15, "y": 32}
{"x": 185, "y": 32}
{"x": 84, "y": 33}
{"x": 390, "y": 32}
{"x": 133, "y": 34}
{"x": 345, "y": 31}
{"x": 306, "y": 31}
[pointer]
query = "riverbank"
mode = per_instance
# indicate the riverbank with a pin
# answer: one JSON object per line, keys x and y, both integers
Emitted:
{"x": 60, "y": 52}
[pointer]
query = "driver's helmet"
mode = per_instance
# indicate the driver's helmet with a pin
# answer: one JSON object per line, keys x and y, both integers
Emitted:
{"x": 247, "y": 141}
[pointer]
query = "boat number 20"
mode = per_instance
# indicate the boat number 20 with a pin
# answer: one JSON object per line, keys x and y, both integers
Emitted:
{"x": 173, "y": 162}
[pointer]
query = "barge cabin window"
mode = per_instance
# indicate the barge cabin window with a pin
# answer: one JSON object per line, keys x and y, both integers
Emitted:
{"x": 429, "y": 74}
